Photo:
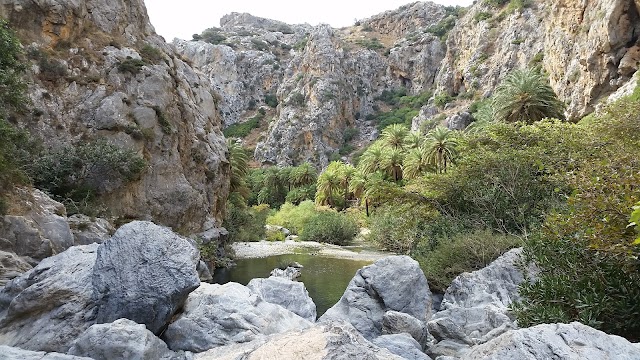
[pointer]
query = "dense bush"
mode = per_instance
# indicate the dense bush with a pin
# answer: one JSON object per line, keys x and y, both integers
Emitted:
{"x": 245, "y": 223}
{"x": 330, "y": 227}
{"x": 132, "y": 66}
{"x": 77, "y": 174}
{"x": 398, "y": 227}
{"x": 151, "y": 54}
{"x": 243, "y": 129}
{"x": 578, "y": 283}
{"x": 294, "y": 217}
{"x": 271, "y": 100}
{"x": 464, "y": 252}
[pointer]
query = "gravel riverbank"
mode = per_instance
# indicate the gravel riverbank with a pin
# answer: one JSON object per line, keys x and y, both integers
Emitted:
{"x": 249, "y": 250}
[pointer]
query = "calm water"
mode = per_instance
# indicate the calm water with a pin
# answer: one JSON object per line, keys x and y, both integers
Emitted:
{"x": 325, "y": 278}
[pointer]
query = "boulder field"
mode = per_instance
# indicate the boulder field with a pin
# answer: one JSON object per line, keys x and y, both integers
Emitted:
{"x": 137, "y": 295}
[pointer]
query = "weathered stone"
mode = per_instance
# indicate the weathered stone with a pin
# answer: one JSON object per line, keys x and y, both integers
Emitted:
{"x": 289, "y": 273}
{"x": 216, "y": 315}
{"x": 394, "y": 322}
{"x": 402, "y": 345}
{"x": 36, "y": 227}
{"x": 555, "y": 341}
{"x": 336, "y": 341}
{"x": 14, "y": 353}
{"x": 88, "y": 231}
{"x": 122, "y": 339}
{"x": 47, "y": 308}
{"x": 393, "y": 283}
{"x": 144, "y": 273}
{"x": 291, "y": 295}
{"x": 475, "y": 306}
{"x": 204, "y": 274}
{"x": 11, "y": 266}
{"x": 459, "y": 121}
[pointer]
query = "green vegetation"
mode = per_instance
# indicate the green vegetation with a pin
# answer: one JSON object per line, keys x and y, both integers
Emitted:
{"x": 131, "y": 66}
{"x": 525, "y": 95}
{"x": 274, "y": 186}
{"x": 330, "y": 227}
{"x": 243, "y": 129}
{"x": 442, "y": 28}
{"x": 76, "y": 175}
{"x": 371, "y": 44}
{"x": 271, "y": 100}
{"x": 151, "y": 54}
{"x": 482, "y": 16}
{"x": 211, "y": 35}
{"x": 442, "y": 99}
{"x": 301, "y": 44}
{"x": 404, "y": 107}
{"x": 293, "y": 217}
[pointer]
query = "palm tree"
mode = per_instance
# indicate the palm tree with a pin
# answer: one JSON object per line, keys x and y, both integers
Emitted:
{"x": 328, "y": 184}
{"x": 394, "y": 136}
{"x": 525, "y": 95}
{"x": 413, "y": 140}
{"x": 371, "y": 160}
{"x": 239, "y": 164}
{"x": 304, "y": 174}
{"x": 441, "y": 148}
{"x": 392, "y": 163}
{"x": 357, "y": 187}
{"x": 416, "y": 162}
{"x": 346, "y": 173}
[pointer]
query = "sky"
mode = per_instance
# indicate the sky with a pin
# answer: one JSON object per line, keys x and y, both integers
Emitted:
{"x": 184, "y": 18}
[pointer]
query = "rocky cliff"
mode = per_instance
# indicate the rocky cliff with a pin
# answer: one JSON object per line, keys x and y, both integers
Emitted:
{"x": 330, "y": 79}
{"x": 99, "y": 71}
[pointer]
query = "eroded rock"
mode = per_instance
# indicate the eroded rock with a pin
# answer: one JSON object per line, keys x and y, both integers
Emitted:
{"x": 291, "y": 295}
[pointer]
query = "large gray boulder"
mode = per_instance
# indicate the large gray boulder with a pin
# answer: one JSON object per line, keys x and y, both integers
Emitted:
{"x": 291, "y": 295}
{"x": 402, "y": 345}
{"x": 475, "y": 306}
{"x": 12, "y": 266}
{"x": 556, "y": 341}
{"x": 335, "y": 341}
{"x": 122, "y": 339}
{"x": 394, "y": 283}
{"x": 14, "y": 353}
{"x": 88, "y": 230}
{"x": 47, "y": 308}
{"x": 144, "y": 273}
{"x": 216, "y": 315}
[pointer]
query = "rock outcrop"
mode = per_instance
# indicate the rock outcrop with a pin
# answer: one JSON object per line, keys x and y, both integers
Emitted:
{"x": 14, "y": 353}
{"x": 122, "y": 339}
{"x": 475, "y": 306}
{"x": 556, "y": 341}
{"x": 47, "y": 308}
{"x": 291, "y": 295}
{"x": 11, "y": 266}
{"x": 142, "y": 276}
{"x": 402, "y": 345}
{"x": 394, "y": 283}
{"x": 144, "y": 273}
{"x": 217, "y": 315}
{"x": 338, "y": 341}
{"x": 99, "y": 71}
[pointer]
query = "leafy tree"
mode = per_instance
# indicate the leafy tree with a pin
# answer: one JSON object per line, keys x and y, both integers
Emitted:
{"x": 413, "y": 140}
{"x": 417, "y": 162}
{"x": 442, "y": 148}
{"x": 371, "y": 160}
{"x": 526, "y": 96}
{"x": 392, "y": 163}
{"x": 239, "y": 161}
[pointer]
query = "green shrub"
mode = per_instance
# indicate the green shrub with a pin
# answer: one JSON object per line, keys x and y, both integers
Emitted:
{"x": 462, "y": 253}
{"x": 165, "y": 125}
{"x": 302, "y": 193}
{"x": 132, "y": 66}
{"x": 212, "y": 36}
{"x": 259, "y": 45}
{"x": 275, "y": 235}
{"x": 399, "y": 227}
{"x": 242, "y": 130}
{"x": 245, "y": 223}
{"x": 442, "y": 99}
{"x": 151, "y": 54}
{"x": 297, "y": 99}
{"x": 271, "y": 100}
{"x": 601, "y": 289}
{"x": 371, "y": 44}
{"x": 293, "y": 217}
{"x": 482, "y": 16}
{"x": 301, "y": 44}
{"x": 330, "y": 227}
{"x": 78, "y": 174}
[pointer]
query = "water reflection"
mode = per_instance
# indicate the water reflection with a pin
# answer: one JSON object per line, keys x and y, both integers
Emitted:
{"x": 325, "y": 278}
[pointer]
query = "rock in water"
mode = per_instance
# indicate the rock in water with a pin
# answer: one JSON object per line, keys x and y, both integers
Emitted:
{"x": 47, "y": 308}
{"x": 216, "y": 315}
{"x": 556, "y": 341}
{"x": 291, "y": 295}
{"x": 122, "y": 339}
{"x": 394, "y": 283}
{"x": 144, "y": 273}
{"x": 290, "y": 273}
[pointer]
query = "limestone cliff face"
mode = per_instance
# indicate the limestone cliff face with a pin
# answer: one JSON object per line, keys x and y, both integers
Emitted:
{"x": 588, "y": 48}
{"x": 327, "y": 80}
{"x": 100, "y": 71}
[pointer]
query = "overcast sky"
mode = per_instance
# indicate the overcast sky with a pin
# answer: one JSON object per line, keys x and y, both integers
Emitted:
{"x": 184, "y": 18}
